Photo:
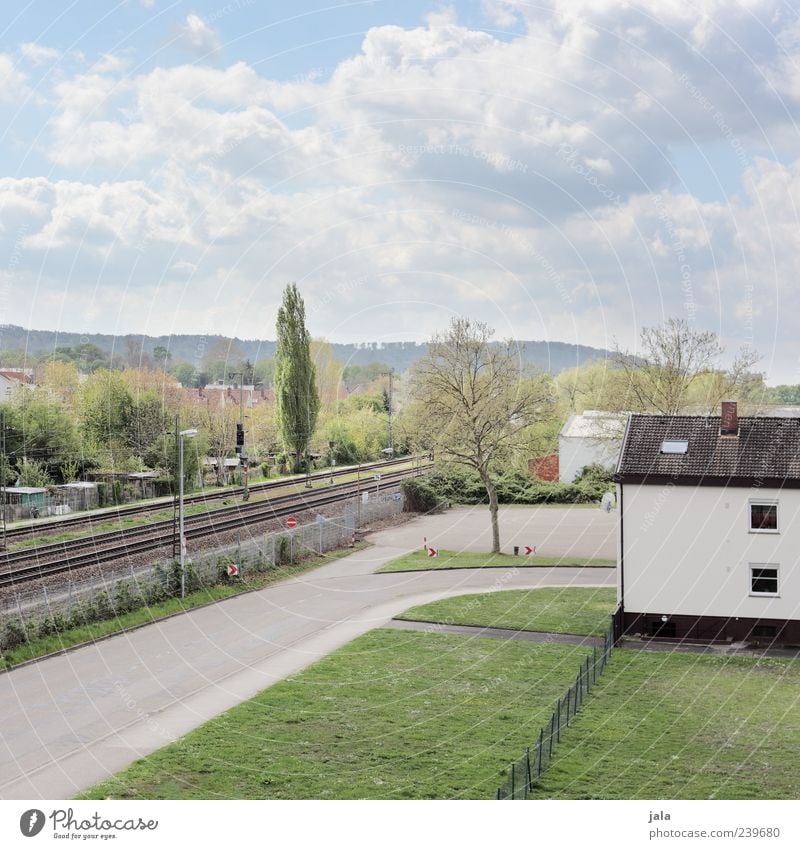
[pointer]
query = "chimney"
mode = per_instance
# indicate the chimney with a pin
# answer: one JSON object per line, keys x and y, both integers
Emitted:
{"x": 729, "y": 422}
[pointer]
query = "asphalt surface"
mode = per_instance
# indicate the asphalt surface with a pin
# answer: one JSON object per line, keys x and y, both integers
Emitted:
{"x": 69, "y": 721}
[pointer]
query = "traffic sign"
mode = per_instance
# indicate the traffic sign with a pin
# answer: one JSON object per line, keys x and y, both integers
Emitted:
{"x": 376, "y": 477}
{"x": 433, "y": 552}
{"x": 291, "y": 522}
{"x": 530, "y": 549}
{"x": 233, "y": 570}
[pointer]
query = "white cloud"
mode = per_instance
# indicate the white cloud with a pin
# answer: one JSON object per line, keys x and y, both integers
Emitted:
{"x": 38, "y": 53}
{"x": 198, "y": 36}
{"x": 13, "y": 83}
{"x": 442, "y": 168}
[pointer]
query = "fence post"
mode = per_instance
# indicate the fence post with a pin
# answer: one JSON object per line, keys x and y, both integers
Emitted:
{"x": 558, "y": 724}
{"x": 273, "y": 551}
{"x": 528, "y": 779}
{"x": 594, "y": 665}
{"x": 513, "y": 781}
{"x": 539, "y": 746}
{"x": 569, "y": 693}
{"x": 552, "y": 730}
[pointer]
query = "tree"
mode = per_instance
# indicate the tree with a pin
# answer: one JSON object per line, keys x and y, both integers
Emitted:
{"x": 674, "y": 359}
{"x": 296, "y": 396}
{"x": 162, "y": 355}
{"x": 476, "y": 401}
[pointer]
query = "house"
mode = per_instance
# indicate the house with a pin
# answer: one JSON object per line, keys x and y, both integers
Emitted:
{"x": 592, "y": 437}
{"x": 709, "y": 527}
{"x": 11, "y": 380}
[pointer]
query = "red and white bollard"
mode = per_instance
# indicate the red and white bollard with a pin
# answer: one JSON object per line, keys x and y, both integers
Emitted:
{"x": 353, "y": 540}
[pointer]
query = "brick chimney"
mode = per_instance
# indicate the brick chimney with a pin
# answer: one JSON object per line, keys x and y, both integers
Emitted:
{"x": 729, "y": 422}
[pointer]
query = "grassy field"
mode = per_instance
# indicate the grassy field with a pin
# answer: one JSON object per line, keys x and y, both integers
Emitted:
{"x": 561, "y": 610}
{"x": 683, "y": 726}
{"x": 419, "y": 561}
{"x": 40, "y": 646}
{"x": 392, "y": 715}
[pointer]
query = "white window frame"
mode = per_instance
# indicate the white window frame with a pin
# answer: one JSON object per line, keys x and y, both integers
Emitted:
{"x": 776, "y": 567}
{"x": 763, "y": 502}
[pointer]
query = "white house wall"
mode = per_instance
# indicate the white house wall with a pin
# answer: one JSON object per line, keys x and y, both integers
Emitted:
{"x": 687, "y": 550}
{"x": 576, "y": 452}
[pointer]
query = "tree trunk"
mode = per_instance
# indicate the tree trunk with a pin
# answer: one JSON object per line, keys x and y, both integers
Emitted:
{"x": 492, "y": 493}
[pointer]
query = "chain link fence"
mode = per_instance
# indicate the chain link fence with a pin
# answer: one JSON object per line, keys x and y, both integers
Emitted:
{"x": 47, "y": 609}
{"x": 525, "y": 771}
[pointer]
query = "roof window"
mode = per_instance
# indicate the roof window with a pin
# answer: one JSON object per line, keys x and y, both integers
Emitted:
{"x": 674, "y": 446}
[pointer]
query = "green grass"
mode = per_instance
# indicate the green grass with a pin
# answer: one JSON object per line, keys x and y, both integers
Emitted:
{"x": 683, "y": 726}
{"x": 418, "y": 560}
{"x": 559, "y": 610}
{"x": 392, "y": 715}
{"x": 40, "y": 646}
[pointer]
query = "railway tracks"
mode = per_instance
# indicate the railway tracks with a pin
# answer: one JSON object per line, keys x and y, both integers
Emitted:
{"x": 99, "y": 548}
{"x": 41, "y": 527}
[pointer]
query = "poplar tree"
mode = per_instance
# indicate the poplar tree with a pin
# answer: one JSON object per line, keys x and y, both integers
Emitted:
{"x": 296, "y": 395}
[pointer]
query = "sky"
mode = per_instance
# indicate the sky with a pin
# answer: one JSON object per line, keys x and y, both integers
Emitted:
{"x": 565, "y": 170}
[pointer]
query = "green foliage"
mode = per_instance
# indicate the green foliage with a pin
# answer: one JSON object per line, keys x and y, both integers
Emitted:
{"x": 33, "y": 473}
{"x": 420, "y": 496}
{"x": 296, "y": 396}
{"x": 283, "y": 551}
{"x": 463, "y": 486}
{"x": 12, "y": 635}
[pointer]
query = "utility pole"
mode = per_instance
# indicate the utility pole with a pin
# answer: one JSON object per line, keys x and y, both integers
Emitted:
{"x": 390, "y": 373}
{"x": 240, "y": 438}
{"x": 3, "y": 473}
{"x": 175, "y": 496}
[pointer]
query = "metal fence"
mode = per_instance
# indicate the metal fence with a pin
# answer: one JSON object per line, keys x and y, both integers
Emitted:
{"x": 524, "y": 773}
{"x": 119, "y": 590}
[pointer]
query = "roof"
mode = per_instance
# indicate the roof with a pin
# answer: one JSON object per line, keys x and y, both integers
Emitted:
{"x": 26, "y": 490}
{"x": 594, "y": 424}
{"x": 766, "y": 451}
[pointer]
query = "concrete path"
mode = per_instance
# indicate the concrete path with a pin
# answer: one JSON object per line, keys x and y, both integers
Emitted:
{"x": 72, "y": 720}
{"x": 496, "y": 633}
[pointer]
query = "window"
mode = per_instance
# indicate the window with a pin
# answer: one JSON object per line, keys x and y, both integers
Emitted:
{"x": 763, "y": 579}
{"x": 764, "y": 517}
{"x": 674, "y": 446}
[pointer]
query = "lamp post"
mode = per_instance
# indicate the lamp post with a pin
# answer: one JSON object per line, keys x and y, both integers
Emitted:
{"x": 184, "y": 434}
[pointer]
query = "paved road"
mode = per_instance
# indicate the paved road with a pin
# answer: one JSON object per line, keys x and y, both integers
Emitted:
{"x": 70, "y": 721}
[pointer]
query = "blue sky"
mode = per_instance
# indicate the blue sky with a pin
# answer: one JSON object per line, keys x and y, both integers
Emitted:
{"x": 567, "y": 170}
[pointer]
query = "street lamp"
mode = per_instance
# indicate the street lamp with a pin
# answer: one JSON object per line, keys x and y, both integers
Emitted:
{"x": 184, "y": 434}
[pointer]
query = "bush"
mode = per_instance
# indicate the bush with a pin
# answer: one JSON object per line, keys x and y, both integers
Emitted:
{"x": 13, "y": 635}
{"x": 420, "y": 496}
{"x": 283, "y": 551}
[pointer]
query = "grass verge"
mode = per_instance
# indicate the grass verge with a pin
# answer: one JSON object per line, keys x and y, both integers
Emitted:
{"x": 683, "y": 726}
{"x": 41, "y": 646}
{"x": 559, "y": 610}
{"x": 392, "y": 715}
{"x": 418, "y": 560}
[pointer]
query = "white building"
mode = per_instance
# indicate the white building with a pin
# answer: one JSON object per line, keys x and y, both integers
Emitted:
{"x": 11, "y": 380}
{"x": 709, "y": 527}
{"x": 592, "y": 437}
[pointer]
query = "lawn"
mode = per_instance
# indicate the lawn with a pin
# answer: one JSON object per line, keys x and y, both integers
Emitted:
{"x": 561, "y": 610}
{"x": 419, "y": 561}
{"x": 683, "y": 726}
{"x": 392, "y": 715}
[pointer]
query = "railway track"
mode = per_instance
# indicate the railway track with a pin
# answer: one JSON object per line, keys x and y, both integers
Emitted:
{"x": 39, "y": 527}
{"x": 53, "y": 558}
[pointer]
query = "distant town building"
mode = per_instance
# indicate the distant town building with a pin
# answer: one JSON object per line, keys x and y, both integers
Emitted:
{"x": 592, "y": 437}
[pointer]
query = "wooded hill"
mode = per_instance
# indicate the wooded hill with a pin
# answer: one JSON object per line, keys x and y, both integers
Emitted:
{"x": 552, "y": 357}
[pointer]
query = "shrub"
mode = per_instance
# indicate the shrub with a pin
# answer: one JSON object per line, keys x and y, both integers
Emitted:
{"x": 283, "y": 551}
{"x": 13, "y": 635}
{"x": 420, "y": 496}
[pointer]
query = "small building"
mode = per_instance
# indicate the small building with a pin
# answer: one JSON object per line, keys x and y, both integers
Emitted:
{"x": 79, "y": 495}
{"x": 544, "y": 468}
{"x": 591, "y": 437}
{"x": 708, "y": 533}
{"x": 11, "y": 380}
{"x": 24, "y": 502}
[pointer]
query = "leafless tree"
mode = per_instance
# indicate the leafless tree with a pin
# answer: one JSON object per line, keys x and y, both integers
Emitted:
{"x": 674, "y": 359}
{"x": 476, "y": 399}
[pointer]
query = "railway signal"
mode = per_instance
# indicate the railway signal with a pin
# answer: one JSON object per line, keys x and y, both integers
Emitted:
{"x": 291, "y": 522}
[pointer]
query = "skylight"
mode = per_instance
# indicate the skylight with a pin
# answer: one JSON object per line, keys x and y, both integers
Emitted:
{"x": 674, "y": 446}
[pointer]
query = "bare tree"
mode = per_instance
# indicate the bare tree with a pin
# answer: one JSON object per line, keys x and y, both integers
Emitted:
{"x": 476, "y": 400}
{"x": 675, "y": 359}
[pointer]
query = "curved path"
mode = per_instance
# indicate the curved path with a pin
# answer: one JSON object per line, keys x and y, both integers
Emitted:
{"x": 72, "y": 720}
